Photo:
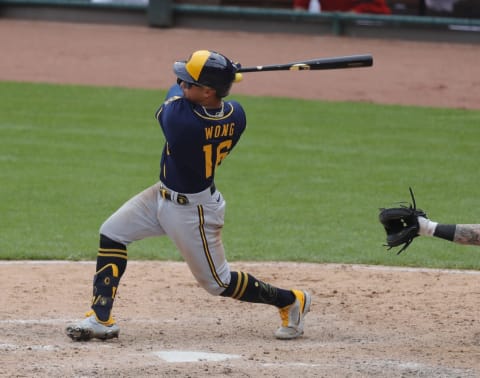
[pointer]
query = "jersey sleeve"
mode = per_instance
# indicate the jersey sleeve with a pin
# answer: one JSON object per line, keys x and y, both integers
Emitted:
{"x": 174, "y": 91}
{"x": 174, "y": 117}
{"x": 241, "y": 120}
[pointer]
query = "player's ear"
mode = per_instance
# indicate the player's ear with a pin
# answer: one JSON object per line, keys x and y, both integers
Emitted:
{"x": 209, "y": 92}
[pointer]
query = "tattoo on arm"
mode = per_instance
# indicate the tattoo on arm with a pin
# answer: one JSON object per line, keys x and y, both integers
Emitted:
{"x": 467, "y": 234}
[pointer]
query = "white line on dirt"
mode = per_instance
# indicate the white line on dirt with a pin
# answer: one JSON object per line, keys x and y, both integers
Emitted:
{"x": 65, "y": 321}
{"x": 34, "y": 321}
{"x": 409, "y": 269}
{"x": 380, "y": 268}
{"x": 15, "y": 347}
{"x": 42, "y": 262}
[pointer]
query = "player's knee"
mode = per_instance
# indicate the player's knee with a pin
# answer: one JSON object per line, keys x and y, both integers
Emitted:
{"x": 212, "y": 286}
{"x": 104, "y": 228}
{"x": 109, "y": 229}
{"x": 214, "y": 281}
{"x": 110, "y": 233}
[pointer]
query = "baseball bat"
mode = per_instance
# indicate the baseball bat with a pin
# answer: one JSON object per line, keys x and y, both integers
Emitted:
{"x": 352, "y": 61}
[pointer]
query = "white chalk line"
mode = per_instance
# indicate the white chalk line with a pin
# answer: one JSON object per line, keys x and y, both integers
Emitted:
{"x": 328, "y": 266}
{"x": 34, "y": 321}
{"x": 381, "y": 268}
{"x": 67, "y": 321}
{"x": 40, "y": 348}
{"x": 42, "y": 262}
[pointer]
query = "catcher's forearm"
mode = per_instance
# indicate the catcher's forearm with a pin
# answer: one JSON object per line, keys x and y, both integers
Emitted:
{"x": 468, "y": 234}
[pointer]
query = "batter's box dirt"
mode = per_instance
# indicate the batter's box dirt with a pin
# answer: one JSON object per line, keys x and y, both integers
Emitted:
{"x": 170, "y": 327}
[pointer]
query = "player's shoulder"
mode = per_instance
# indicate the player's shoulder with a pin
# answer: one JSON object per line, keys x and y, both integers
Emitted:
{"x": 172, "y": 99}
{"x": 176, "y": 104}
{"x": 234, "y": 106}
{"x": 172, "y": 105}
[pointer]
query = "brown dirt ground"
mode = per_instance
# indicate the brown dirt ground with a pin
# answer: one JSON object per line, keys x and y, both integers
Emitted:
{"x": 414, "y": 73}
{"x": 365, "y": 321}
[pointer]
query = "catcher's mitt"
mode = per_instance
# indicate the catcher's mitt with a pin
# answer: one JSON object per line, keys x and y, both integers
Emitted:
{"x": 401, "y": 224}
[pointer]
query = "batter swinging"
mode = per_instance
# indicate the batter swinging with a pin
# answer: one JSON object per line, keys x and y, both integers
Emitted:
{"x": 200, "y": 130}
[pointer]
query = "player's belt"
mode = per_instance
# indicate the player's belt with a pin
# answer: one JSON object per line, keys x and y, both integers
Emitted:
{"x": 181, "y": 199}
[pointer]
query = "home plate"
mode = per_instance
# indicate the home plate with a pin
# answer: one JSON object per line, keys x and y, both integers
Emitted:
{"x": 186, "y": 356}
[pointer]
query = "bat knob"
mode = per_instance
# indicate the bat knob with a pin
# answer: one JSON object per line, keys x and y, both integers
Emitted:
{"x": 238, "y": 77}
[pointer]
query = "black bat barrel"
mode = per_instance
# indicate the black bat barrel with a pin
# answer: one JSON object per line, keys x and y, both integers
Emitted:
{"x": 352, "y": 61}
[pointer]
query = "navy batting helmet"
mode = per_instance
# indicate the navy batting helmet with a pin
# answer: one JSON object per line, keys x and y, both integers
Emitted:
{"x": 207, "y": 68}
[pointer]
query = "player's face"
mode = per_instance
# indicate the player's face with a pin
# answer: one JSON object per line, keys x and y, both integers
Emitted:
{"x": 196, "y": 93}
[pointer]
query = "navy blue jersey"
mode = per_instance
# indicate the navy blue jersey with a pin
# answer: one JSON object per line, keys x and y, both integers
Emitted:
{"x": 196, "y": 141}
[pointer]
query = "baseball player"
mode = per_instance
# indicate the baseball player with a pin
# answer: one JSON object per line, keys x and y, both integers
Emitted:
{"x": 200, "y": 129}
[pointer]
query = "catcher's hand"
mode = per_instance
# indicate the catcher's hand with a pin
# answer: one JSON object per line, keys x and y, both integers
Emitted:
{"x": 401, "y": 224}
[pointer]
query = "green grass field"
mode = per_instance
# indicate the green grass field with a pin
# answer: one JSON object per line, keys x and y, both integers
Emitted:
{"x": 304, "y": 184}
